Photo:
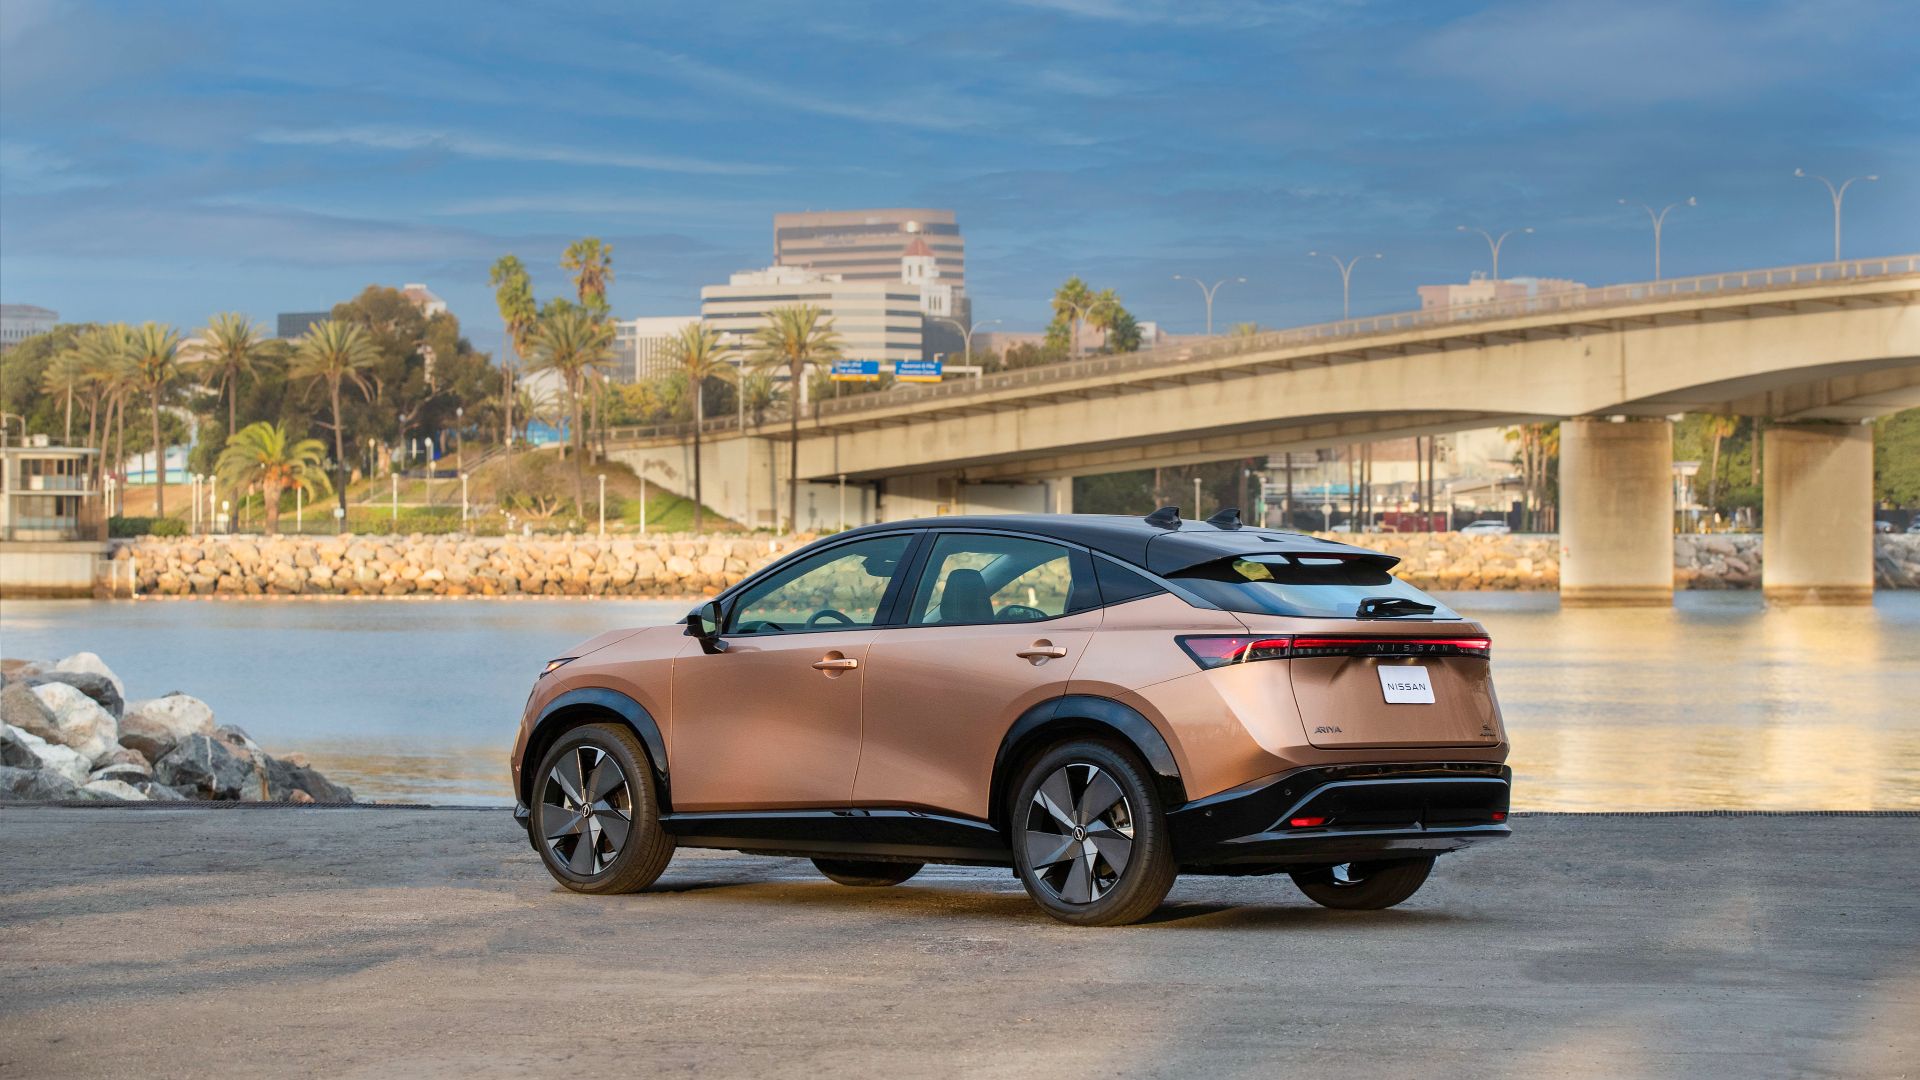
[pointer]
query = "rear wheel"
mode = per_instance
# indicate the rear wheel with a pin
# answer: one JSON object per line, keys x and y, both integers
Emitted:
{"x": 1366, "y": 886}
{"x": 1089, "y": 837}
{"x": 866, "y": 874}
{"x": 595, "y": 820}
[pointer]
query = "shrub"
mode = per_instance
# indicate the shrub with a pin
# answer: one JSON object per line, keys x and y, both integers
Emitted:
{"x": 145, "y": 526}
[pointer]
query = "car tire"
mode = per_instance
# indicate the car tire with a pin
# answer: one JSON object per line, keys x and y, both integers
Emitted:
{"x": 1364, "y": 886}
{"x": 863, "y": 874}
{"x": 596, "y": 814}
{"x": 1090, "y": 839}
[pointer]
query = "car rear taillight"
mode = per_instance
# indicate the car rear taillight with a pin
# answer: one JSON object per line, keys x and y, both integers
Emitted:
{"x": 1306, "y": 822}
{"x": 1212, "y": 651}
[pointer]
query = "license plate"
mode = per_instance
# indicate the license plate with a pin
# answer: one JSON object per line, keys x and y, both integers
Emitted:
{"x": 1406, "y": 685}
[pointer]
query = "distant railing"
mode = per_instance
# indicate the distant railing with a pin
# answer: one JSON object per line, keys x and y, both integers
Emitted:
{"x": 1222, "y": 347}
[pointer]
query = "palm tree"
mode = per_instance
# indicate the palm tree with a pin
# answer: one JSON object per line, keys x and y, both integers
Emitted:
{"x": 337, "y": 354}
{"x": 106, "y": 353}
{"x": 759, "y": 394}
{"x": 155, "y": 351}
{"x": 793, "y": 338}
{"x": 260, "y": 454}
{"x": 591, "y": 264}
{"x": 229, "y": 347}
{"x": 697, "y": 353}
{"x": 65, "y": 375}
{"x": 513, "y": 294}
{"x": 573, "y": 344}
{"x": 1719, "y": 427}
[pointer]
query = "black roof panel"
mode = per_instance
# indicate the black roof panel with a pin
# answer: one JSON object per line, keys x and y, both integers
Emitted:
{"x": 1131, "y": 539}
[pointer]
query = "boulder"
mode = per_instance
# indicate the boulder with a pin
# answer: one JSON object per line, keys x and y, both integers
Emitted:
{"x": 36, "y": 785}
{"x": 236, "y": 736}
{"x": 20, "y": 707}
{"x": 51, "y": 756}
{"x": 155, "y": 791}
{"x": 131, "y": 774}
{"x": 121, "y": 755}
{"x": 206, "y": 768}
{"x": 86, "y": 663}
{"x": 288, "y": 780}
{"x": 81, "y": 722}
{"x": 101, "y": 689}
{"x": 156, "y": 726}
{"x": 113, "y": 789}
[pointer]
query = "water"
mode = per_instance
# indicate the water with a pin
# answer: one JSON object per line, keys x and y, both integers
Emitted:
{"x": 1719, "y": 701}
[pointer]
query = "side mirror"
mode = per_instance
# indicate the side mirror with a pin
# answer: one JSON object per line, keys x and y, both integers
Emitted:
{"x": 703, "y": 622}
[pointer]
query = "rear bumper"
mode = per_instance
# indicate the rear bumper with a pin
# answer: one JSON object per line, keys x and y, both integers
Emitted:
{"x": 1371, "y": 812}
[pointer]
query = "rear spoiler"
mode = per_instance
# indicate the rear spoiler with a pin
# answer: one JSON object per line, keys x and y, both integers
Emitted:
{"x": 1192, "y": 544}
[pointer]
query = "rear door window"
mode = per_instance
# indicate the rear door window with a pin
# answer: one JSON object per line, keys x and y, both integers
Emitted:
{"x": 1310, "y": 586}
{"x": 974, "y": 578}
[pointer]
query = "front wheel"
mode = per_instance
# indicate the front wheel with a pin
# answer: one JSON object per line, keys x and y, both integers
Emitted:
{"x": 862, "y": 873}
{"x": 1367, "y": 886}
{"x": 1089, "y": 837}
{"x": 595, "y": 818}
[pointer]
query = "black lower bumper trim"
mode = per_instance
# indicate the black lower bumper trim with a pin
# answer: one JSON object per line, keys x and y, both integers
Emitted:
{"x": 1357, "y": 812}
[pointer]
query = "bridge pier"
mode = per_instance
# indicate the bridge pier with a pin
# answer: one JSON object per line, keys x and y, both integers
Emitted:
{"x": 1060, "y": 495}
{"x": 1817, "y": 542}
{"x": 1616, "y": 513}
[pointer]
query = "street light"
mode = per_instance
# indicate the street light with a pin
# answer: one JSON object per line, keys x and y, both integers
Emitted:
{"x": 1494, "y": 243}
{"x": 1081, "y": 312}
{"x": 1839, "y": 194}
{"x": 1659, "y": 220}
{"x": 1208, "y": 293}
{"x": 603, "y": 505}
{"x": 966, "y": 332}
{"x": 1346, "y": 279}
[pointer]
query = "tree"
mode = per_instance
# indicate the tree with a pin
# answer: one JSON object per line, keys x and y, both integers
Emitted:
{"x": 65, "y": 375}
{"x": 336, "y": 354}
{"x": 261, "y": 455}
{"x": 108, "y": 358}
{"x": 572, "y": 344}
{"x": 794, "y": 337}
{"x": 591, "y": 264}
{"x": 1537, "y": 455}
{"x": 1073, "y": 302}
{"x": 229, "y": 347}
{"x": 513, "y": 295}
{"x": 155, "y": 351}
{"x": 698, "y": 355}
{"x": 1718, "y": 428}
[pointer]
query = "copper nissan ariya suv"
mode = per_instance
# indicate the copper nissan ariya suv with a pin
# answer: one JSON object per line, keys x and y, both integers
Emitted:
{"x": 1099, "y": 703}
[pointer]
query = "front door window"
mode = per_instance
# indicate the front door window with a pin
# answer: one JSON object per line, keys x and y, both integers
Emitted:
{"x": 839, "y": 588}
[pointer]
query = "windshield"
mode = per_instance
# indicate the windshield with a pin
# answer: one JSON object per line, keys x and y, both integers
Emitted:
{"x": 1310, "y": 586}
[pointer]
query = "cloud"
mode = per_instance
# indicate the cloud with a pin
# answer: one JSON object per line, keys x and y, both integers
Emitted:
{"x": 1180, "y": 12}
{"x": 494, "y": 149}
{"x": 32, "y": 169}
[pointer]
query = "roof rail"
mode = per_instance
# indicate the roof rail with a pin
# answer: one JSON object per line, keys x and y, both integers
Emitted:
{"x": 1227, "y": 517}
{"x": 1167, "y": 517}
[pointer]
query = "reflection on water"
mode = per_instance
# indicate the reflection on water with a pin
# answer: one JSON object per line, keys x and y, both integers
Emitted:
{"x": 1717, "y": 702}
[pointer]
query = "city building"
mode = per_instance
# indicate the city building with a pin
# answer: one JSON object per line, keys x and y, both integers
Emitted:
{"x": 18, "y": 322}
{"x": 53, "y": 528}
{"x": 289, "y": 325}
{"x": 642, "y": 348}
{"x": 424, "y": 298}
{"x": 876, "y": 319}
{"x": 1483, "y": 289}
{"x": 867, "y": 245}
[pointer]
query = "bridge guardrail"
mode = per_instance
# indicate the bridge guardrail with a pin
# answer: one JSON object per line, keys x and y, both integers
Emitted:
{"x": 1220, "y": 347}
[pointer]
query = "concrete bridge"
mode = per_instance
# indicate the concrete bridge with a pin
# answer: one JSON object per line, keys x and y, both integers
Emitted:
{"x": 1817, "y": 350}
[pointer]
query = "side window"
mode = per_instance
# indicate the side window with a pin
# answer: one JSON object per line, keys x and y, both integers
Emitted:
{"x": 836, "y": 589}
{"x": 1119, "y": 584}
{"x": 972, "y": 579}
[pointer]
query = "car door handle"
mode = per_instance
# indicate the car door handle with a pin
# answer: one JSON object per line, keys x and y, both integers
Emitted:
{"x": 836, "y": 663}
{"x": 1041, "y": 652}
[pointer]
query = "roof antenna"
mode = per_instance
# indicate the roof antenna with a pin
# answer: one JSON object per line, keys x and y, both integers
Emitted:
{"x": 1227, "y": 517}
{"x": 1167, "y": 517}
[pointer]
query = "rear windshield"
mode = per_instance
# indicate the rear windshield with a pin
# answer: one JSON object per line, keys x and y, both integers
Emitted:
{"x": 1311, "y": 586}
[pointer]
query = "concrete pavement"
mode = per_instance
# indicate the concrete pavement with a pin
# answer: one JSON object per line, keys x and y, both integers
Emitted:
{"x": 392, "y": 942}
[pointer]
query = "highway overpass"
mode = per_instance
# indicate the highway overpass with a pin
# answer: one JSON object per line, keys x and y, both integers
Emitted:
{"x": 1816, "y": 349}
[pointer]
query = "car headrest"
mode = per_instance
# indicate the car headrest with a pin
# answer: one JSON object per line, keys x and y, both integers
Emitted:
{"x": 965, "y": 598}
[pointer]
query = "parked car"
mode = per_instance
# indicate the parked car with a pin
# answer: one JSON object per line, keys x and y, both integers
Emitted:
{"x": 1486, "y": 527}
{"x": 1881, "y": 525}
{"x": 1914, "y": 525}
{"x": 1099, "y": 703}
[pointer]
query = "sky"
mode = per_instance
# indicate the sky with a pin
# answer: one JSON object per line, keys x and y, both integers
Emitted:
{"x": 167, "y": 161}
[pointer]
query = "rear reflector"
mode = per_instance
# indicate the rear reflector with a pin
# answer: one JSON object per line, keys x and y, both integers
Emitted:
{"x": 1499, "y": 816}
{"x": 1218, "y": 651}
{"x": 1307, "y": 822}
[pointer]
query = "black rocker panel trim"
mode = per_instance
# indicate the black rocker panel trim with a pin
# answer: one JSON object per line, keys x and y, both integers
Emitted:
{"x": 590, "y": 699}
{"x": 1085, "y": 711}
{"x": 887, "y": 835}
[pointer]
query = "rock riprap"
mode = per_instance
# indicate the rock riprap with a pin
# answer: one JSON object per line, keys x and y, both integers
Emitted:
{"x": 67, "y": 736}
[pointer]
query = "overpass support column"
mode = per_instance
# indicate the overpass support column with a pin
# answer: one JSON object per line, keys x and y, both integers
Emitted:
{"x": 1060, "y": 495}
{"x": 1616, "y": 513}
{"x": 1817, "y": 543}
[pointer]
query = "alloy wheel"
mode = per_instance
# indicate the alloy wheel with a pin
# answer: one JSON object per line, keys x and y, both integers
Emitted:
{"x": 1079, "y": 833}
{"x": 587, "y": 811}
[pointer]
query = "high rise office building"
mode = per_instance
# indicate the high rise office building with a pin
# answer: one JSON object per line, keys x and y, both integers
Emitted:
{"x": 866, "y": 245}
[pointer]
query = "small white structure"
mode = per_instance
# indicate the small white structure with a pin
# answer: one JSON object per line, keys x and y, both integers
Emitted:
{"x": 52, "y": 526}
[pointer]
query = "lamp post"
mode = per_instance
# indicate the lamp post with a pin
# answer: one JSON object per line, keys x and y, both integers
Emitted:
{"x": 1208, "y": 291}
{"x": 1659, "y": 221}
{"x": 1080, "y": 313}
{"x": 1346, "y": 279}
{"x": 966, "y": 332}
{"x": 1494, "y": 243}
{"x": 1839, "y": 195}
{"x": 603, "y": 505}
